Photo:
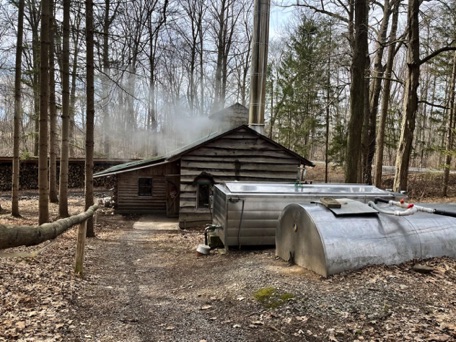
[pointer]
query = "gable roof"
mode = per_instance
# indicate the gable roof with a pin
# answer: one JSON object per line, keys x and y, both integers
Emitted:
{"x": 178, "y": 153}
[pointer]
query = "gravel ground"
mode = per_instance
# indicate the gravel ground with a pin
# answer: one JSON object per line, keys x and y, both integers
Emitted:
{"x": 140, "y": 285}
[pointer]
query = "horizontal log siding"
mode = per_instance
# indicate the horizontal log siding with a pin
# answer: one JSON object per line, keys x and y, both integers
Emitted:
{"x": 128, "y": 200}
{"x": 194, "y": 219}
{"x": 258, "y": 159}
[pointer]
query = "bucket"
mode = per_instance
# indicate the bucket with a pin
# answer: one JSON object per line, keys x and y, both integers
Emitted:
{"x": 203, "y": 249}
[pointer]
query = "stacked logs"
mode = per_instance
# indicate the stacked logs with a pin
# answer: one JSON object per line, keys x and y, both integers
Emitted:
{"x": 28, "y": 176}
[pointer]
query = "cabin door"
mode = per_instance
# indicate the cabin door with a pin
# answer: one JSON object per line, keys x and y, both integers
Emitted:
{"x": 172, "y": 196}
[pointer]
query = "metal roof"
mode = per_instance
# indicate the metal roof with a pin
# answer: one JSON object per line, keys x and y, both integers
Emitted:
{"x": 130, "y": 166}
{"x": 178, "y": 153}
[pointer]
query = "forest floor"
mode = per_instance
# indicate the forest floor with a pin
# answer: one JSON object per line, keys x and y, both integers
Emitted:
{"x": 144, "y": 285}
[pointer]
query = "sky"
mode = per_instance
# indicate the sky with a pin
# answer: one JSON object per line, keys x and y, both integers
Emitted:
{"x": 279, "y": 17}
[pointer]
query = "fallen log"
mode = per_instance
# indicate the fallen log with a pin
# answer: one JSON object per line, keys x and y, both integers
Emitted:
{"x": 15, "y": 236}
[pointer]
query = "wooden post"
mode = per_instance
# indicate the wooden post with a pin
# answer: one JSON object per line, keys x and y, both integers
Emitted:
{"x": 78, "y": 268}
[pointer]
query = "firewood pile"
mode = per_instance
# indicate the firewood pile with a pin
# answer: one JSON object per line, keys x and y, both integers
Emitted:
{"x": 28, "y": 178}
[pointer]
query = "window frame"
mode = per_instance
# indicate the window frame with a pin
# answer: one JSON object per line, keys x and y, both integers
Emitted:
{"x": 145, "y": 190}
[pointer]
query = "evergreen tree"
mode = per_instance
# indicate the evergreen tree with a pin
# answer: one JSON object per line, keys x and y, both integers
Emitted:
{"x": 301, "y": 86}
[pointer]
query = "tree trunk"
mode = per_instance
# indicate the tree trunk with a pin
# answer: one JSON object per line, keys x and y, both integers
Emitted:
{"x": 410, "y": 98}
{"x": 17, "y": 112}
{"x": 451, "y": 127}
{"x": 221, "y": 41}
{"x": 74, "y": 77}
{"x": 380, "y": 139}
{"x": 328, "y": 116}
{"x": 368, "y": 138}
{"x": 104, "y": 82}
{"x": 153, "y": 35}
{"x": 64, "y": 150}
{"x": 89, "y": 116}
{"x": 43, "y": 180}
{"x": 53, "y": 195}
{"x": 355, "y": 125}
{"x": 374, "y": 95}
{"x": 36, "y": 92}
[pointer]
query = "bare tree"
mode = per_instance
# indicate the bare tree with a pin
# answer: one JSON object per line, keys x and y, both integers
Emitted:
{"x": 107, "y": 22}
{"x": 76, "y": 35}
{"x": 33, "y": 17}
{"x": 380, "y": 137}
{"x": 64, "y": 149}
{"x": 43, "y": 169}
{"x": 154, "y": 26}
{"x": 192, "y": 34}
{"x": 357, "y": 93}
{"x": 450, "y": 130}
{"x": 374, "y": 94}
{"x": 90, "y": 114}
{"x": 410, "y": 97}
{"x": 225, "y": 14}
{"x": 53, "y": 194}
{"x": 243, "y": 55}
{"x": 17, "y": 110}
{"x": 410, "y": 104}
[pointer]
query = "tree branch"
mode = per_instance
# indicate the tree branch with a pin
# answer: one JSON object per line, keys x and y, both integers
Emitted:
{"x": 433, "y": 104}
{"x": 437, "y": 52}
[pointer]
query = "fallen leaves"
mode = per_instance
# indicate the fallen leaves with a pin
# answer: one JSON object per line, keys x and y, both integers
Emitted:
{"x": 36, "y": 294}
{"x": 164, "y": 292}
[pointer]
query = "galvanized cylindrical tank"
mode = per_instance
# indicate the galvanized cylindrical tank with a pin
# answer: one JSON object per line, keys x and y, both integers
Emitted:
{"x": 312, "y": 236}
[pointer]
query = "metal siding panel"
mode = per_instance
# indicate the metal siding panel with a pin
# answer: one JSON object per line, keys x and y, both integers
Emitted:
{"x": 261, "y": 211}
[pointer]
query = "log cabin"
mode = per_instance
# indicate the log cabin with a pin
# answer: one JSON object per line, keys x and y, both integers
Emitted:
{"x": 179, "y": 184}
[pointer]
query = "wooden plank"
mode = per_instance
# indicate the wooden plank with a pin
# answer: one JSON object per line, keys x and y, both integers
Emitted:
{"x": 189, "y": 175}
{"x": 251, "y": 165}
{"x": 238, "y": 152}
{"x": 330, "y": 202}
{"x": 251, "y": 158}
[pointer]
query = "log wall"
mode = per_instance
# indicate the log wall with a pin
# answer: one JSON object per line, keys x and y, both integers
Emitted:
{"x": 241, "y": 155}
{"x": 126, "y": 197}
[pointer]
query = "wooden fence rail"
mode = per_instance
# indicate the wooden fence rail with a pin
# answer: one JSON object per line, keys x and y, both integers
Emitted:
{"x": 15, "y": 236}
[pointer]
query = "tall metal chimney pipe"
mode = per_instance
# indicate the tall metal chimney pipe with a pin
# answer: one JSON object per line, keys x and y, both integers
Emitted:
{"x": 259, "y": 65}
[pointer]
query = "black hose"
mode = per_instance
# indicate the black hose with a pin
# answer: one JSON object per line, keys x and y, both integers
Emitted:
{"x": 445, "y": 213}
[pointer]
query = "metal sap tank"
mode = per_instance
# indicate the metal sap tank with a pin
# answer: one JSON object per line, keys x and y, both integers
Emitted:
{"x": 315, "y": 238}
{"x": 247, "y": 213}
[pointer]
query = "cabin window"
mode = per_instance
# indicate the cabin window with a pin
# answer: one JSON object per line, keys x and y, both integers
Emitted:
{"x": 203, "y": 194}
{"x": 145, "y": 187}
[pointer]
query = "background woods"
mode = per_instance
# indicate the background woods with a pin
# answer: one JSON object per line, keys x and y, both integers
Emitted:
{"x": 356, "y": 83}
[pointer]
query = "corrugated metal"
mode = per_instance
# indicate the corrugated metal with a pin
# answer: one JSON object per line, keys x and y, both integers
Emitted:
{"x": 313, "y": 237}
{"x": 248, "y": 212}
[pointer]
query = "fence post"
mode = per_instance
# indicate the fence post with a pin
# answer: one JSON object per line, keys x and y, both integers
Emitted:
{"x": 82, "y": 231}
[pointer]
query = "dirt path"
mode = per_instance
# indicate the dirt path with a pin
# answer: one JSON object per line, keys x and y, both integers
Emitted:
{"x": 143, "y": 285}
{"x": 151, "y": 286}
